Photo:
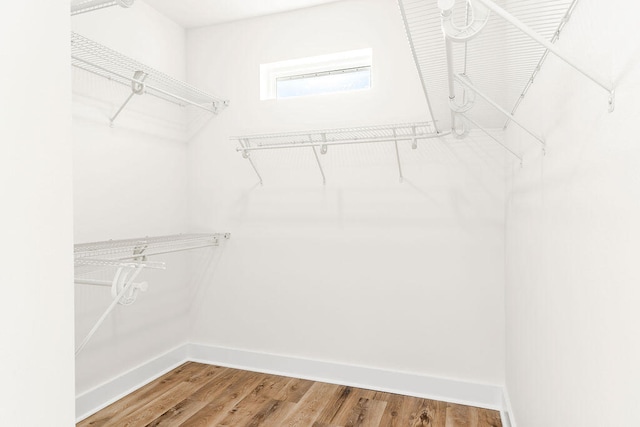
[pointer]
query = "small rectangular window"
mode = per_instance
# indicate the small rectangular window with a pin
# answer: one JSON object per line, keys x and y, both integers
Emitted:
{"x": 338, "y": 72}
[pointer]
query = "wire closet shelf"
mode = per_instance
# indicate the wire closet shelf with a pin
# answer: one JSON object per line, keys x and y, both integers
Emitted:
{"x": 118, "y": 263}
{"x": 110, "y": 64}
{"x": 490, "y": 50}
{"x": 320, "y": 140}
{"x": 84, "y": 6}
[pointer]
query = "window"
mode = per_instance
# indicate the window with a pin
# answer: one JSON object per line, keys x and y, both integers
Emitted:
{"x": 339, "y": 72}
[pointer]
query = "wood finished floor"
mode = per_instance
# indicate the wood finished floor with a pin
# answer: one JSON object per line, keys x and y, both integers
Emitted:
{"x": 201, "y": 395}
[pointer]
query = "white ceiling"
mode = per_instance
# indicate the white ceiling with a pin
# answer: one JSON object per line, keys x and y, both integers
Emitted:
{"x": 199, "y": 13}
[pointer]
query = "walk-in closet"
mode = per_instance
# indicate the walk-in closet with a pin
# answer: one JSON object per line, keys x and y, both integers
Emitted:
{"x": 320, "y": 213}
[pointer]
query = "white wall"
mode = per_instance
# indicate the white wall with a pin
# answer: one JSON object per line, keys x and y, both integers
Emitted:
{"x": 36, "y": 360}
{"x": 130, "y": 181}
{"x": 572, "y": 234}
{"x": 365, "y": 270}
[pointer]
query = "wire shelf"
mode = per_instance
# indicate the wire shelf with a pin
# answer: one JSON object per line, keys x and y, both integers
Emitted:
{"x": 108, "y": 63}
{"x": 366, "y": 134}
{"x": 322, "y": 139}
{"x": 84, "y": 6}
{"x": 117, "y": 264}
{"x": 136, "y": 249}
{"x": 501, "y": 61}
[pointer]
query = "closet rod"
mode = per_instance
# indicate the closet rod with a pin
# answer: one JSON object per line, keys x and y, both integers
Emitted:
{"x": 346, "y": 142}
{"x": 490, "y": 135}
{"x": 497, "y": 107}
{"x": 549, "y": 46}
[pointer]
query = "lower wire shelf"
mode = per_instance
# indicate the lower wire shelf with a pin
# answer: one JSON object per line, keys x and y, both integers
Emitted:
{"x": 123, "y": 260}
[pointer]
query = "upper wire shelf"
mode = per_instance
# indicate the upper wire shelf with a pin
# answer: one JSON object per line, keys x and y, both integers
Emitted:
{"x": 497, "y": 59}
{"x": 489, "y": 49}
{"x": 84, "y": 6}
{"x": 108, "y": 63}
{"x": 322, "y": 139}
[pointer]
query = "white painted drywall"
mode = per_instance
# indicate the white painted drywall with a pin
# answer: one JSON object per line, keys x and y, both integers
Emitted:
{"x": 130, "y": 181}
{"x": 365, "y": 270}
{"x": 36, "y": 336}
{"x": 572, "y": 234}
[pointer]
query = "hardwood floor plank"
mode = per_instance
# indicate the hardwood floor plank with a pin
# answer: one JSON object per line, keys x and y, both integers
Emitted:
{"x": 431, "y": 413}
{"x": 156, "y": 407}
{"x": 461, "y": 416}
{"x": 272, "y": 413}
{"x": 488, "y": 418}
{"x": 310, "y": 406}
{"x": 177, "y": 414}
{"x": 198, "y": 400}
{"x": 140, "y": 397}
{"x": 219, "y": 385}
{"x": 366, "y": 413}
{"x": 352, "y": 403}
{"x": 217, "y": 409}
{"x": 294, "y": 390}
{"x": 333, "y": 405}
{"x": 198, "y": 395}
{"x": 254, "y": 402}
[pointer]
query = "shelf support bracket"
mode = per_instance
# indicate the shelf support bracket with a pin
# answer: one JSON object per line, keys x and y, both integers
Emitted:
{"x": 497, "y": 107}
{"x": 549, "y": 46}
{"x": 128, "y": 289}
{"x": 245, "y": 153}
{"x": 315, "y": 153}
{"x": 137, "y": 88}
{"x": 395, "y": 142}
{"x": 414, "y": 141}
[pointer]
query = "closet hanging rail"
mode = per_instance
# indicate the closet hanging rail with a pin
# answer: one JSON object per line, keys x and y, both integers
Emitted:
{"x": 323, "y": 139}
{"x": 83, "y": 6}
{"x": 118, "y": 263}
{"x": 98, "y": 59}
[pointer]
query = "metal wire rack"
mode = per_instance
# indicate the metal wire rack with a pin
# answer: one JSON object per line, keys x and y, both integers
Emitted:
{"x": 117, "y": 264}
{"x": 108, "y": 63}
{"x": 84, "y": 6}
{"x": 490, "y": 49}
{"x": 131, "y": 249}
{"x": 320, "y": 140}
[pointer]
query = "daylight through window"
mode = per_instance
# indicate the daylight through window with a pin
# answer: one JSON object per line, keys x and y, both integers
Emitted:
{"x": 317, "y": 75}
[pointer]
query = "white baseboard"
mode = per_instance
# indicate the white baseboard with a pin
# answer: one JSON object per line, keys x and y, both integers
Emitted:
{"x": 105, "y": 394}
{"x": 506, "y": 414}
{"x": 466, "y": 393}
{"x": 481, "y": 395}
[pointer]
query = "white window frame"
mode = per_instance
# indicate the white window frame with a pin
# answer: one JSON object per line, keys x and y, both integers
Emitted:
{"x": 270, "y": 73}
